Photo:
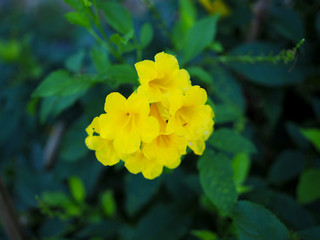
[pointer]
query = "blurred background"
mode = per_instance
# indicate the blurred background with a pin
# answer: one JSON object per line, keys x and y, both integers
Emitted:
{"x": 57, "y": 187}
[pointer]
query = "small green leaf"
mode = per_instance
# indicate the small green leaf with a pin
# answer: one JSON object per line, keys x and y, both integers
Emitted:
{"x": 78, "y": 18}
{"x": 204, "y": 234}
{"x": 254, "y": 222}
{"x": 199, "y": 37}
{"x": 87, "y": 3}
{"x": 241, "y": 166}
{"x": 116, "y": 75}
{"x": 146, "y": 34}
{"x": 108, "y": 203}
{"x": 77, "y": 189}
{"x": 75, "y": 4}
{"x": 117, "y": 16}
{"x": 74, "y": 62}
{"x": 202, "y": 75}
{"x": 231, "y": 141}
{"x": 216, "y": 178}
{"x": 99, "y": 58}
{"x": 225, "y": 113}
{"x": 55, "y": 199}
{"x": 308, "y": 187}
{"x": 313, "y": 135}
{"x": 188, "y": 13}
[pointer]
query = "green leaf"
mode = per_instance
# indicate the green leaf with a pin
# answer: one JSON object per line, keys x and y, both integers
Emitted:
{"x": 55, "y": 199}
{"x": 60, "y": 83}
{"x": 146, "y": 34}
{"x": 204, "y": 234}
{"x": 296, "y": 135}
{"x": 254, "y": 222}
{"x": 202, "y": 75}
{"x": 231, "y": 141}
{"x": 74, "y": 62}
{"x": 188, "y": 13}
{"x": 199, "y": 37}
{"x": 117, "y": 16}
{"x": 216, "y": 178}
{"x": 99, "y": 58}
{"x": 313, "y": 135}
{"x": 308, "y": 187}
{"x": 108, "y": 203}
{"x": 310, "y": 233}
{"x": 265, "y": 73}
{"x": 77, "y": 189}
{"x": 241, "y": 166}
{"x": 116, "y": 75}
{"x": 287, "y": 166}
{"x": 78, "y": 18}
{"x": 75, "y": 4}
{"x": 139, "y": 191}
{"x": 225, "y": 113}
{"x": 228, "y": 89}
{"x": 288, "y": 23}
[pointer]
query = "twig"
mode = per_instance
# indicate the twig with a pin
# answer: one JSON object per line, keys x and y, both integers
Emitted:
{"x": 9, "y": 216}
{"x": 260, "y": 10}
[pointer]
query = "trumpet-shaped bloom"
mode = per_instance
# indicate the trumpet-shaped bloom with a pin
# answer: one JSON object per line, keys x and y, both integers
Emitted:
{"x": 127, "y": 122}
{"x": 105, "y": 152}
{"x": 161, "y": 76}
{"x": 190, "y": 117}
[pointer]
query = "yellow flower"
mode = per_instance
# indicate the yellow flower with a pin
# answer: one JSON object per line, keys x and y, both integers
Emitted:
{"x": 190, "y": 117}
{"x": 161, "y": 76}
{"x": 127, "y": 122}
{"x": 105, "y": 152}
{"x": 216, "y": 6}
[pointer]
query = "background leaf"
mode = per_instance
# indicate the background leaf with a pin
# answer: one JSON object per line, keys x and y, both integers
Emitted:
{"x": 254, "y": 222}
{"x": 307, "y": 191}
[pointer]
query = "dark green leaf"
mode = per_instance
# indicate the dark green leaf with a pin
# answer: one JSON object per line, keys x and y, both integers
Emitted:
{"x": 202, "y": 75}
{"x": 117, "y": 16}
{"x": 55, "y": 199}
{"x": 216, "y": 178}
{"x": 204, "y": 234}
{"x": 308, "y": 187}
{"x": 241, "y": 167}
{"x": 161, "y": 222}
{"x": 265, "y": 73}
{"x": 75, "y": 4}
{"x": 77, "y": 189}
{"x": 146, "y": 34}
{"x": 227, "y": 89}
{"x": 295, "y": 134}
{"x": 310, "y": 234}
{"x": 138, "y": 192}
{"x": 287, "y": 23}
{"x": 225, "y": 113}
{"x": 188, "y": 13}
{"x": 231, "y": 141}
{"x": 199, "y": 37}
{"x": 78, "y": 18}
{"x": 254, "y": 222}
{"x": 288, "y": 165}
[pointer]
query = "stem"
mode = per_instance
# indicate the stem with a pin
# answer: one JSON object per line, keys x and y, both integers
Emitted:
{"x": 139, "y": 49}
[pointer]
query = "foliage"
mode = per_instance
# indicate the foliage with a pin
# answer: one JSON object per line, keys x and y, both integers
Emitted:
{"x": 259, "y": 175}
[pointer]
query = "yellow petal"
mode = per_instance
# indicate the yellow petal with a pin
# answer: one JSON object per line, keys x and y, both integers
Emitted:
{"x": 110, "y": 124}
{"x": 165, "y": 63}
{"x": 152, "y": 170}
{"x": 138, "y": 103}
{"x": 115, "y": 102}
{"x": 146, "y": 71}
{"x": 93, "y": 142}
{"x": 181, "y": 79}
{"x": 195, "y": 96}
{"x": 175, "y": 99}
{"x": 197, "y": 146}
{"x": 135, "y": 162}
{"x": 147, "y": 127}
{"x": 153, "y": 94}
{"x": 126, "y": 142}
{"x": 107, "y": 155}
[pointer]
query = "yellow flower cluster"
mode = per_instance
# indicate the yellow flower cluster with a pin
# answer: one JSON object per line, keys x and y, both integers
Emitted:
{"x": 153, "y": 127}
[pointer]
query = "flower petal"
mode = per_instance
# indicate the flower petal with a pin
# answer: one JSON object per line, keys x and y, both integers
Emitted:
{"x": 107, "y": 155}
{"x": 146, "y": 71}
{"x": 135, "y": 162}
{"x": 165, "y": 63}
{"x": 110, "y": 124}
{"x": 138, "y": 103}
{"x": 115, "y": 102}
{"x": 181, "y": 79}
{"x": 195, "y": 96}
{"x": 147, "y": 127}
{"x": 197, "y": 146}
{"x": 126, "y": 142}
